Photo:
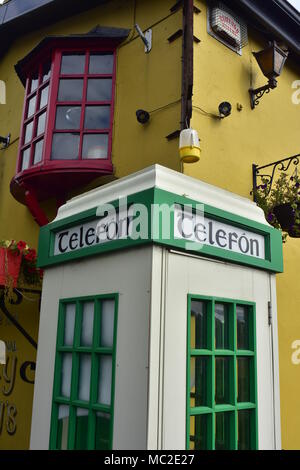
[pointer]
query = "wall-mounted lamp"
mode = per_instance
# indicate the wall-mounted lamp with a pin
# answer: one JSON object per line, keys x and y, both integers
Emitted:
{"x": 225, "y": 109}
{"x": 271, "y": 61}
{"x": 5, "y": 141}
{"x": 142, "y": 116}
{"x": 189, "y": 146}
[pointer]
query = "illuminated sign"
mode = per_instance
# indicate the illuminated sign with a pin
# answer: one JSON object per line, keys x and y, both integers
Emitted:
{"x": 226, "y": 26}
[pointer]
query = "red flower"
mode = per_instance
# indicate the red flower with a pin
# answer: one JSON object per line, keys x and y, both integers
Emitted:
{"x": 21, "y": 246}
{"x": 30, "y": 256}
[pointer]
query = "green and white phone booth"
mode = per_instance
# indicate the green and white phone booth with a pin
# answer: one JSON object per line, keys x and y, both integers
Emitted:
{"x": 158, "y": 325}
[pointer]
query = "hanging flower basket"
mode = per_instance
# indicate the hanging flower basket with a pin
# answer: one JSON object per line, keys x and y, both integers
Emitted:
{"x": 18, "y": 266}
{"x": 10, "y": 264}
{"x": 286, "y": 216}
{"x": 282, "y": 204}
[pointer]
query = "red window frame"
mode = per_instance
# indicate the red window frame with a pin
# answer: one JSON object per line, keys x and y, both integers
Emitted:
{"x": 80, "y": 47}
{"x": 35, "y": 115}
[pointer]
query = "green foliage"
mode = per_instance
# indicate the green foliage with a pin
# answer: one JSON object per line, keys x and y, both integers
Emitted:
{"x": 285, "y": 190}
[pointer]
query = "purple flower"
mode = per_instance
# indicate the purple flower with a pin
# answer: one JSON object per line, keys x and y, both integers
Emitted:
{"x": 270, "y": 217}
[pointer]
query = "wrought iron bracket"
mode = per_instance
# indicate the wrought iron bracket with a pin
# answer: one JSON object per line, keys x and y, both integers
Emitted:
{"x": 17, "y": 301}
{"x": 258, "y": 93}
{"x": 280, "y": 165}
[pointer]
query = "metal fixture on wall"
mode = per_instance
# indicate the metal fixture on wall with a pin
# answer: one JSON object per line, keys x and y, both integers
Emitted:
{"x": 145, "y": 37}
{"x": 5, "y": 141}
{"x": 279, "y": 165}
{"x": 271, "y": 61}
{"x": 142, "y": 116}
{"x": 225, "y": 109}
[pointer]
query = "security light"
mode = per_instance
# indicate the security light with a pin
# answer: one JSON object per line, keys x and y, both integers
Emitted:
{"x": 142, "y": 116}
{"x": 225, "y": 109}
{"x": 5, "y": 141}
{"x": 271, "y": 61}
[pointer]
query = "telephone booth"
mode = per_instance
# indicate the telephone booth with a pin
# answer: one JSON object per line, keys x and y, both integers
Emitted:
{"x": 158, "y": 325}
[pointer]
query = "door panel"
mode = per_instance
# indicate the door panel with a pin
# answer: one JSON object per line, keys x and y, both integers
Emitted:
{"x": 187, "y": 275}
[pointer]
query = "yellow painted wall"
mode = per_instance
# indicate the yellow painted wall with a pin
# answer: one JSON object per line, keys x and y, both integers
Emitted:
{"x": 146, "y": 81}
{"x": 230, "y": 146}
{"x": 17, "y": 375}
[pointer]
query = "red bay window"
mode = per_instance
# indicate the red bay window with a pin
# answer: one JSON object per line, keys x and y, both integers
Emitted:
{"x": 66, "y": 131}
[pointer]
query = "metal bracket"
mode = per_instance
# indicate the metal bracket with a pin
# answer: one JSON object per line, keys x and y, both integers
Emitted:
{"x": 258, "y": 93}
{"x": 280, "y": 165}
{"x": 145, "y": 37}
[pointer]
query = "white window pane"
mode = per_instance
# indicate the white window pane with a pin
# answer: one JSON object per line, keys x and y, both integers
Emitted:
{"x": 28, "y": 132}
{"x": 69, "y": 324}
{"x": 107, "y": 323}
{"x": 105, "y": 376}
{"x": 41, "y": 123}
{"x": 84, "y": 377}
{"x": 26, "y": 159}
{"x": 31, "y": 106}
{"x": 66, "y": 372}
{"x": 63, "y": 416}
{"x": 44, "y": 97}
{"x": 38, "y": 151}
{"x": 87, "y": 324}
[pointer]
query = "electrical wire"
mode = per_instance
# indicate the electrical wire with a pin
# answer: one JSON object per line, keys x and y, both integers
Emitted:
{"x": 136, "y": 36}
{"x": 10, "y": 143}
{"x": 215, "y": 116}
{"x": 165, "y": 106}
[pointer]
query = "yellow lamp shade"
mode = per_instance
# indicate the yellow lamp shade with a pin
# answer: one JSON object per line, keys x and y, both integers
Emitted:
{"x": 189, "y": 147}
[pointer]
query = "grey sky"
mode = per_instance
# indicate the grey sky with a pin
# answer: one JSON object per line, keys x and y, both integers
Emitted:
{"x": 295, "y": 3}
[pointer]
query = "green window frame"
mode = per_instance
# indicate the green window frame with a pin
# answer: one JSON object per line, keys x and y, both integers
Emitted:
{"x": 84, "y": 378}
{"x": 221, "y": 374}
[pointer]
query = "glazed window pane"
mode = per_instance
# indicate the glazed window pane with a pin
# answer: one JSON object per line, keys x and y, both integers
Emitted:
{"x": 44, "y": 97}
{"x": 65, "y": 146}
{"x": 95, "y": 146}
{"x": 72, "y": 64}
{"x": 99, "y": 89}
{"x": 41, "y": 123}
{"x": 25, "y": 159}
{"x": 68, "y": 117}
{"x": 31, "y": 106}
{"x": 97, "y": 117}
{"x": 70, "y": 90}
{"x": 28, "y": 132}
{"x": 105, "y": 378}
{"x": 101, "y": 64}
{"x": 107, "y": 323}
{"x": 38, "y": 151}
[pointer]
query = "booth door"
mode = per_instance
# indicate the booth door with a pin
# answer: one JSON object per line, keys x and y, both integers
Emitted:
{"x": 218, "y": 390}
